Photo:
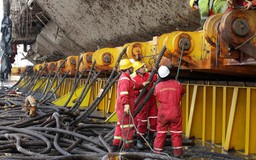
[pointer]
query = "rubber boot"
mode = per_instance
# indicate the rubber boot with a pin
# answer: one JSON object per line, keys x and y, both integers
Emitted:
{"x": 115, "y": 149}
{"x": 151, "y": 138}
{"x": 140, "y": 143}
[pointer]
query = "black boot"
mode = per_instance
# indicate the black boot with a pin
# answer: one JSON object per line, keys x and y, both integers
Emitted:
{"x": 115, "y": 149}
{"x": 140, "y": 143}
{"x": 151, "y": 138}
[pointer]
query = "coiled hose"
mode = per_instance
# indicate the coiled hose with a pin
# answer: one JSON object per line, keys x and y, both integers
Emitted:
{"x": 31, "y": 133}
{"x": 57, "y": 136}
{"x": 65, "y": 132}
{"x": 18, "y": 145}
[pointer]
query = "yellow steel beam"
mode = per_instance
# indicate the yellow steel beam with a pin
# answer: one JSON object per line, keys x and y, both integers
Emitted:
{"x": 204, "y": 113}
{"x": 38, "y": 84}
{"x": 63, "y": 87}
{"x": 218, "y": 114}
{"x": 187, "y": 106}
{"x": 192, "y": 107}
{"x": 252, "y": 139}
{"x": 100, "y": 83}
{"x": 55, "y": 83}
{"x": 231, "y": 119}
{"x": 62, "y": 100}
{"x": 224, "y": 112}
{"x": 71, "y": 84}
{"x": 113, "y": 99}
{"x": 247, "y": 121}
{"x": 213, "y": 113}
{"x": 109, "y": 98}
{"x": 112, "y": 117}
{"x": 25, "y": 81}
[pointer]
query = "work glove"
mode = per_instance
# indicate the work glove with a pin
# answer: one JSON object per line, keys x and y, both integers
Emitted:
{"x": 126, "y": 108}
{"x": 100, "y": 93}
{"x": 248, "y": 5}
{"x": 145, "y": 83}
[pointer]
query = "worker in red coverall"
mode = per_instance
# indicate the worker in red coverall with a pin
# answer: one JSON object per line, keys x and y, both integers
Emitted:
{"x": 149, "y": 111}
{"x": 241, "y": 4}
{"x": 124, "y": 105}
{"x": 168, "y": 94}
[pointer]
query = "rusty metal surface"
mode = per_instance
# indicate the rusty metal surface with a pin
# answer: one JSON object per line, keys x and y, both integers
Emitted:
{"x": 238, "y": 29}
{"x": 89, "y": 25}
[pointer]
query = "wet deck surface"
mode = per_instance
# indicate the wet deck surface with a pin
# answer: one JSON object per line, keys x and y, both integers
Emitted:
{"x": 14, "y": 123}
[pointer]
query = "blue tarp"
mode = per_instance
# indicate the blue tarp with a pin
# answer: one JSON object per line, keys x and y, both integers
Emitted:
{"x": 6, "y": 45}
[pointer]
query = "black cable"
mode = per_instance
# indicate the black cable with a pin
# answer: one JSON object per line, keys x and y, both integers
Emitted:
{"x": 145, "y": 88}
{"x": 55, "y": 76}
{"x": 31, "y": 133}
{"x": 57, "y": 136}
{"x": 85, "y": 86}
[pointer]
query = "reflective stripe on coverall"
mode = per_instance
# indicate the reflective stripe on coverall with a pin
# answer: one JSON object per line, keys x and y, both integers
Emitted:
{"x": 125, "y": 95}
{"x": 168, "y": 94}
{"x": 149, "y": 112}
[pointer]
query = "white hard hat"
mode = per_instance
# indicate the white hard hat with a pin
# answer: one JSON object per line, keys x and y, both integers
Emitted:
{"x": 163, "y": 71}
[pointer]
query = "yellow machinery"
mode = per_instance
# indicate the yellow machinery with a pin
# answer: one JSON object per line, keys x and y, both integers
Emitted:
{"x": 142, "y": 51}
{"x": 37, "y": 68}
{"x": 61, "y": 65}
{"x": 159, "y": 46}
{"x": 22, "y": 69}
{"x": 44, "y": 67}
{"x": 222, "y": 114}
{"x": 52, "y": 67}
{"x": 71, "y": 64}
{"x": 106, "y": 58}
{"x": 16, "y": 71}
{"x": 86, "y": 62}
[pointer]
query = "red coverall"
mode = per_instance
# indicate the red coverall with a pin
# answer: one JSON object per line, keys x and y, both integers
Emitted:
{"x": 149, "y": 112}
{"x": 168, "y": 94}
{"x": 240, "y": 3}
{"x": 124, "y": 128}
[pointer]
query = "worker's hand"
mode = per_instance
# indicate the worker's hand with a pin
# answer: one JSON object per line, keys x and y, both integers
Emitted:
{"x": 100, "y": 93}
{"x": 248, "y": 5}
{"x": 145, "y": 83}
{"x": 154, "y": 69}
{"x": 126, "y": 108}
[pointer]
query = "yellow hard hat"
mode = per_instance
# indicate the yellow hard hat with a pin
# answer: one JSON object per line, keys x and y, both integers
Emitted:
{"x": 125, "y": 64}
{"x": 137, "y": 65}
{"x": 192, "y": 4}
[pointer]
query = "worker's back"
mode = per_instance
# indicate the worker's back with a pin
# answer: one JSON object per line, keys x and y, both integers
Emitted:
{"x": 169, "y": 93}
